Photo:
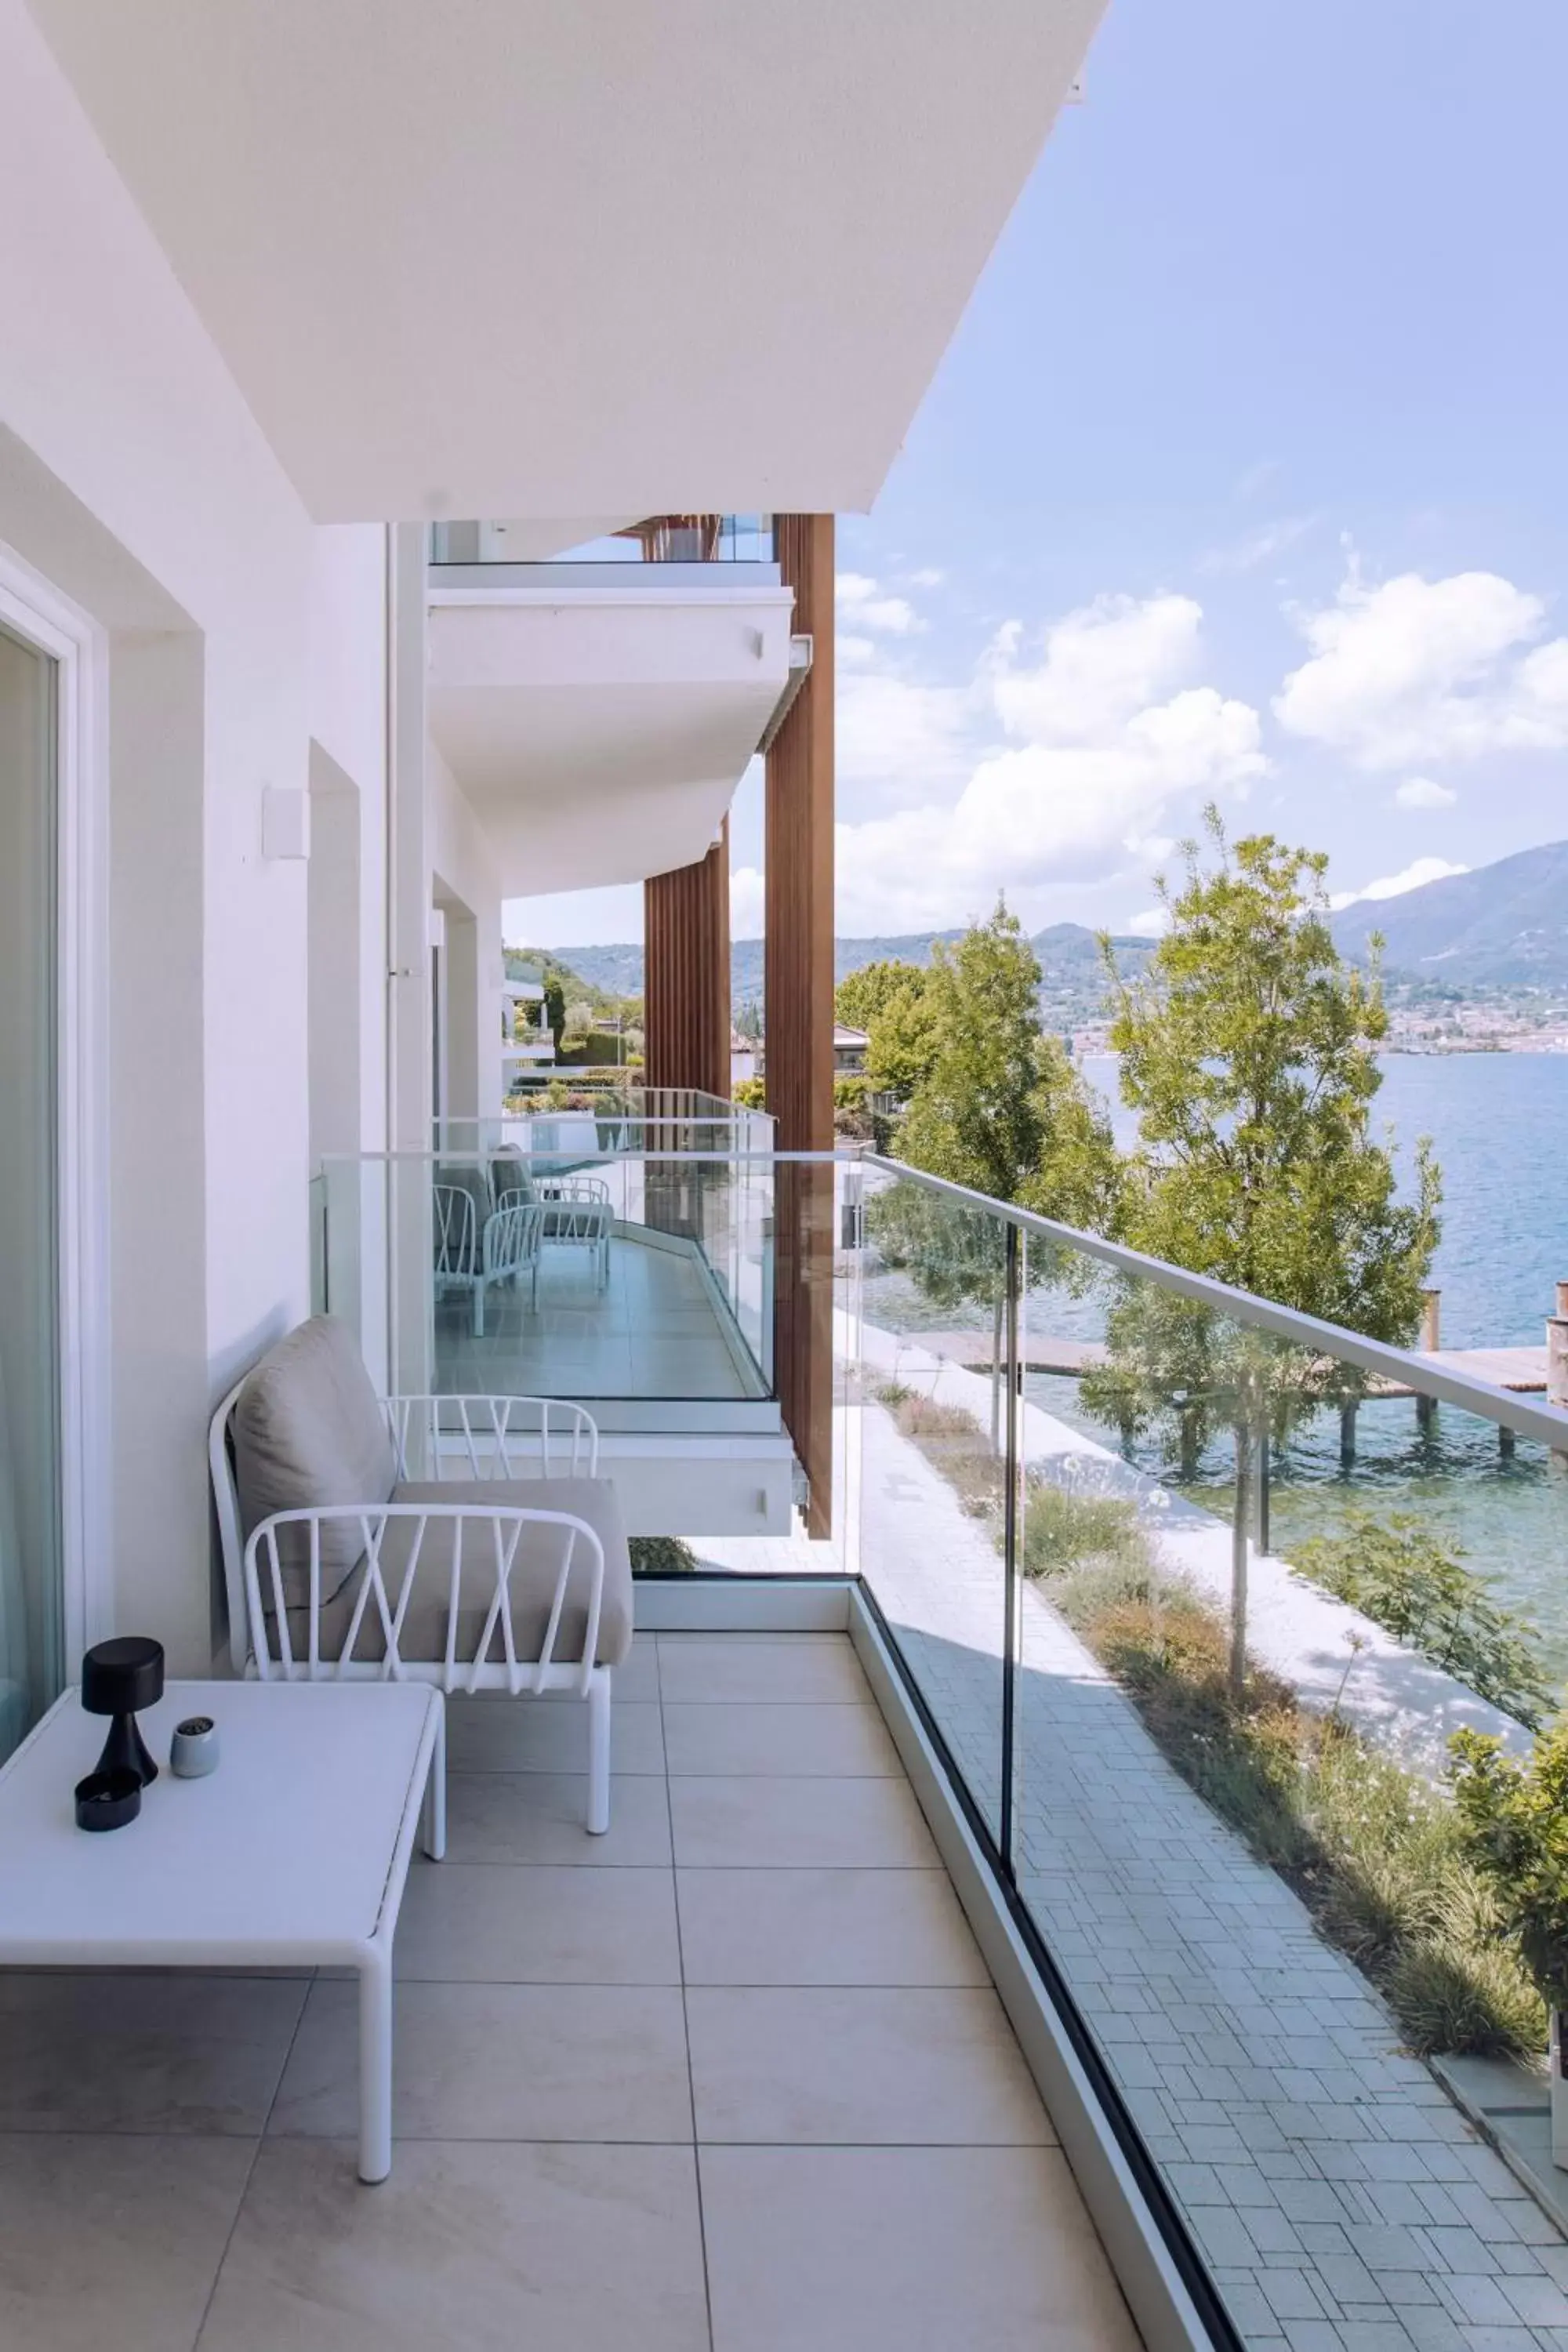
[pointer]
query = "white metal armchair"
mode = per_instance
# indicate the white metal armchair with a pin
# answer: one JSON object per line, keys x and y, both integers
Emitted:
{"x": 578, "y": 1214}
{"x": 461, "y": 1541}
{"x": 472, "y": 1255}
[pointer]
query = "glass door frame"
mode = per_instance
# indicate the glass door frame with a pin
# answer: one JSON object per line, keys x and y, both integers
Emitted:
{"x": 34, "y": 610}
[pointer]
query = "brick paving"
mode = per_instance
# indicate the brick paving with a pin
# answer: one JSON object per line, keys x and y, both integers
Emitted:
{"x": 1344, "y": 2203}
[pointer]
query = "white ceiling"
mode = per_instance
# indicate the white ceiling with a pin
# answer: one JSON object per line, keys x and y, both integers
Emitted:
{"x": 548, "y": 258}
{"x": 599, "y": 735}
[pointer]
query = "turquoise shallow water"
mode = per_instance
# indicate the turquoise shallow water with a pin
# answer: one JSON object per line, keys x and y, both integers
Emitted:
{"x": 1499, "y": 1124}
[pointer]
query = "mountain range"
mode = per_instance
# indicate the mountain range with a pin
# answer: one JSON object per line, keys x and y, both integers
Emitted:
{"x": 1503, "y": 926}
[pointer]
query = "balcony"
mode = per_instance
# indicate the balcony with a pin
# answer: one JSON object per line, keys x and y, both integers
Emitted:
{"x": 660, "y": 539}
{"x": 1079, "y": 1496}
{"x": 644, "y": 1289}
{"x": 632, "y": 674}
{"x": 732, "y": 2078}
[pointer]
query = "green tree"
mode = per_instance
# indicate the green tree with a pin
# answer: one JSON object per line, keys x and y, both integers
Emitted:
{"x": 1247, "y": 1049}
{"x": 555, "y": 1009}
{"x": 892, "y": 1002}
{"x": 999, "y": 1110}
{"x": 862, "y": 995}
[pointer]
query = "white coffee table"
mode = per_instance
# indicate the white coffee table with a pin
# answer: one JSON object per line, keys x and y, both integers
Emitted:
{"x": 292, "y": 1853}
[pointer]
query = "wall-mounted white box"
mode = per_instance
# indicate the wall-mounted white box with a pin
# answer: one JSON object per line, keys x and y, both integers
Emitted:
{"x": 285, "y": 823}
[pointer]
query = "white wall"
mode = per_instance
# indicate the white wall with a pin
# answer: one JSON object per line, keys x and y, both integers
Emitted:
{"x": 133, "y": 476}
{"x": 465, "y": 878}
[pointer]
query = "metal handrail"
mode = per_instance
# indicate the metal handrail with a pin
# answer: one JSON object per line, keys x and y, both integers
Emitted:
{"x": 1546, "y": 1424}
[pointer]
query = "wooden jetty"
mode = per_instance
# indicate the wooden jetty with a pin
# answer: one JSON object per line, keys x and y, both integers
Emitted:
{"x": 1520, "y": 1370}
{"x": 1523, "y": 1372}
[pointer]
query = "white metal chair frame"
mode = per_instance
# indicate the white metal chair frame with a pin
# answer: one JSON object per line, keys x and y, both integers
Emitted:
{"x": 517, "y": 1676}
{"x": 408, "y": 1417}
{"x": 418, "y": 1424}
{"x": 578, "y": 1214}
{"x": 469, "y": 1260}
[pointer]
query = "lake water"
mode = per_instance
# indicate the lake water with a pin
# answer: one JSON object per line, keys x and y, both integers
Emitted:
{"x": 1498, "y": 1127}
{"x": 1499, "y": 1124}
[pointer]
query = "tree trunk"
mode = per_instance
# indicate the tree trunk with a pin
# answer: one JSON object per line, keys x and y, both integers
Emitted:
{"x": 996, "y": 1374}
{"x": 1241, "y": 1514}
{"x": 1190, "y": 1448}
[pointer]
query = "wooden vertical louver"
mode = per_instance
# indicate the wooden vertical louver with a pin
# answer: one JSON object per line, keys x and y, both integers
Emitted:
{"x": 798, "y": 1011}
{"x": 685, "y": 949}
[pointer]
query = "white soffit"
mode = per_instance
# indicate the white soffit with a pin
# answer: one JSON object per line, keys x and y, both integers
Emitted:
{"x": 558, "y": 257}
{"x": 599, "y": 736}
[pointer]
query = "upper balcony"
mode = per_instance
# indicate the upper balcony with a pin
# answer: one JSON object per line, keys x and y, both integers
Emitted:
{"x": 597, "y": 692}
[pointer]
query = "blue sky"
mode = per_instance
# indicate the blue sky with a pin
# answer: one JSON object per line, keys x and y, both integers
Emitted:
{"x": 1242, "y": 478}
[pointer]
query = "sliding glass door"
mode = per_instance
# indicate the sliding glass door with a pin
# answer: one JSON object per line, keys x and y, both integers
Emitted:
{"x": 31, "y": 1663}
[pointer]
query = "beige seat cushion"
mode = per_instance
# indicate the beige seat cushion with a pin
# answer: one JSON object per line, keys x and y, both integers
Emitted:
{"x": 534, "y": 1574}
{"x": 309, "y": 1430}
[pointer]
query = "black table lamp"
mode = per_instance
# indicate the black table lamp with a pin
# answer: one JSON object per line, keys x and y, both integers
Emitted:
{"x": 116, "y": 1679}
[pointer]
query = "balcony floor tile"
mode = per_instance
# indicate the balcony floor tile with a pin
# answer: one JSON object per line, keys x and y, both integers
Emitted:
{"x": 568, "y": 2062}
{"x": 798, "y": 1823}
{"x": 807, "y": 1966}
{"x": 561, "y": 2248}
{"x": 910, "y": 2250}
{"x": 824, "y": 1926}
{"x": 483, "y": 1923}
{"x": 845, "y": 1741}
{"x": 868, "y": 2065}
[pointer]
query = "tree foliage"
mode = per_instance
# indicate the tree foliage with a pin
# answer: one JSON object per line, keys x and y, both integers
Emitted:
{"x": 1516, "y": 1816}
{"x": 862, "y": 995}
{"x": 890, "y": 1002}
{"x": 1399, "y": 1574}
{"x": 1000, "y": 1108}
{"x": 1248, "y": 1051}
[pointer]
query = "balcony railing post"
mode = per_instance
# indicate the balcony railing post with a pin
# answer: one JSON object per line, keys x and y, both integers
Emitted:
{"x": 1010, "y": 1544}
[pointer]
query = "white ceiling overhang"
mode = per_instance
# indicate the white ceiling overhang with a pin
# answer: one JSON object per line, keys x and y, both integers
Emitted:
{"x": 548, "y": 258}
{"x": 599, "y": 734}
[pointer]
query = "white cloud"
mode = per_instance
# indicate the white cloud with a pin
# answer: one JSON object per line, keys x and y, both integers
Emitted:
{"x": 1395, "y": 886}
{"x": 746, "y": 903}
{"x": 1102, "y": 730}
{"x": 851, "y": 651}
{"x": 1148, "y": 925}
{"x": 927, "y": 577}
{"x": 892, "y": 731}
{"x": 1424, "y": 793}
{"x": 864, "y": 603}
{"x": 1428, "y": 670}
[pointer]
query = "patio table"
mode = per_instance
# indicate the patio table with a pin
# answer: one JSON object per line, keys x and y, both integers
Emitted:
{"x": 292, "y": 1853}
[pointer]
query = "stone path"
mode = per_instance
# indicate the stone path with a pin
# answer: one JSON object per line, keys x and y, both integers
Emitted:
{"x": 1344, "y": 2204}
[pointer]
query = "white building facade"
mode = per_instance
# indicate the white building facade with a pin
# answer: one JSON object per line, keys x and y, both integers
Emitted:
{"x": 280, "y": 295}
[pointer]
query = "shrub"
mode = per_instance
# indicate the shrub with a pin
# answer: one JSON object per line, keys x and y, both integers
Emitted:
{"x": 1451, "y": 1997}
{"x": 1397, "y": 1572}
{"x": 1515, "y": 1815}
{"x": 1061, "y": 1529}
{"x": 661, "y": 1556}
{"x": 1384, "y": 1865}
{"x": 750, "y": 1094}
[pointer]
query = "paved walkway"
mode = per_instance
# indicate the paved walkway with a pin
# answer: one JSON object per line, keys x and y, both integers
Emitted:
{"x": 1344, "y": 2203}
{"x": 1393, "y": 1693}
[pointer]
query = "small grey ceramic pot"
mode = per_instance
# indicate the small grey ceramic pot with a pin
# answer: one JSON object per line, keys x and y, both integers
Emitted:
{"x": 193, "y": 1751}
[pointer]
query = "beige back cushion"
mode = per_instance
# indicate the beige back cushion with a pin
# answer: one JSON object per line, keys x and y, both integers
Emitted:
{"x": 309, "y": 1430}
